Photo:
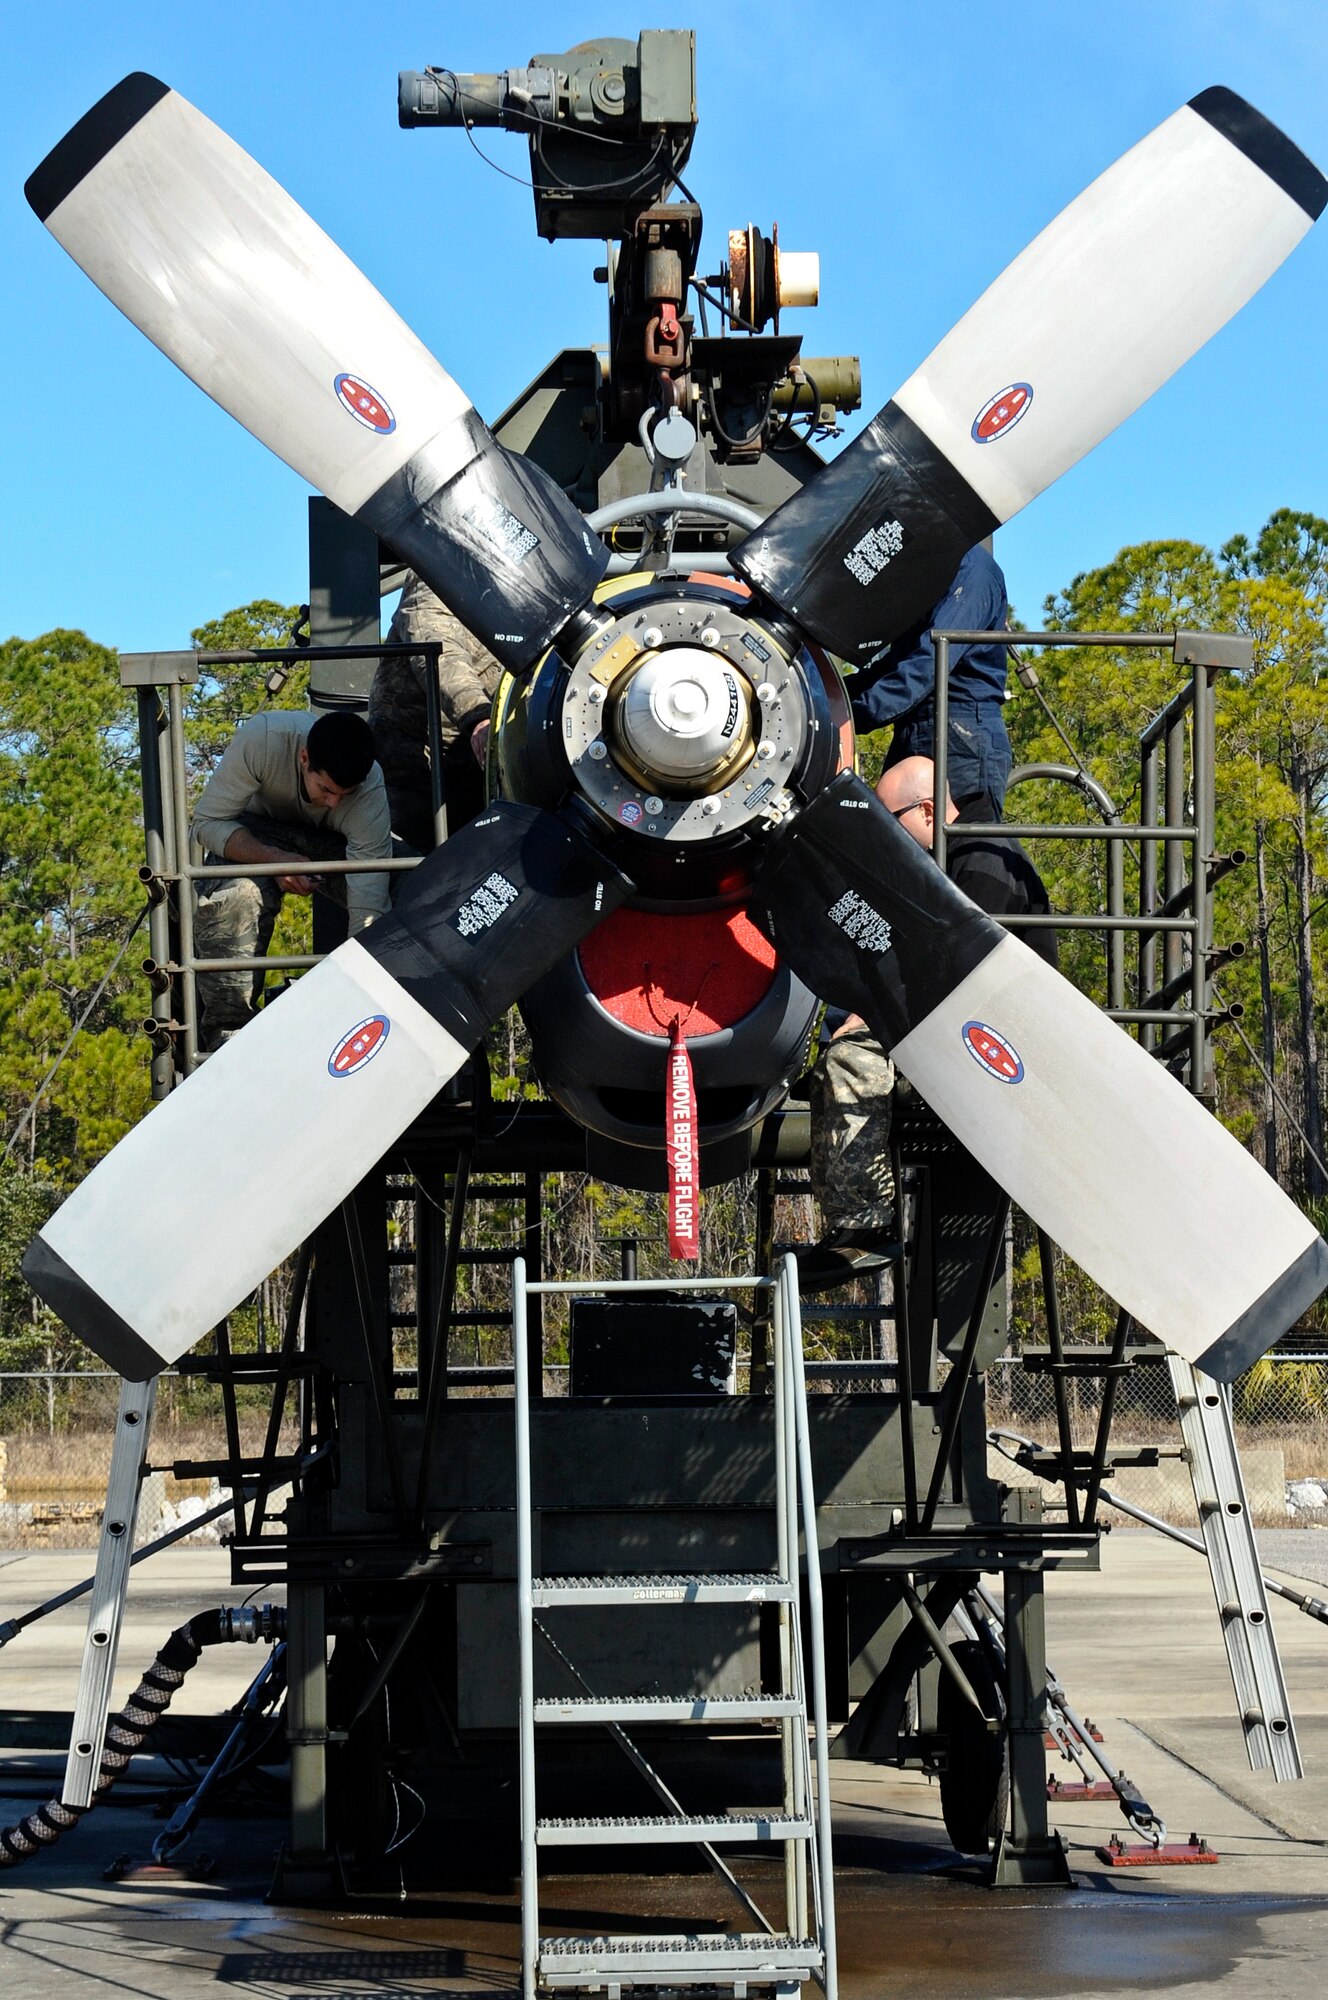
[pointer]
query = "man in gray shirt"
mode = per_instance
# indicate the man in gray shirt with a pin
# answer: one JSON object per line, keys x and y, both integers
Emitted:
{"x": 293, "y": 787}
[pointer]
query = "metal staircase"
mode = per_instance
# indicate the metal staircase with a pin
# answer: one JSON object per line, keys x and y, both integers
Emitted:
{"x": 764, "y": 1958}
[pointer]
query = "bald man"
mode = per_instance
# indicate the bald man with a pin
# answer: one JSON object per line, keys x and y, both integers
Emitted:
{"x": 852, "y": 1086}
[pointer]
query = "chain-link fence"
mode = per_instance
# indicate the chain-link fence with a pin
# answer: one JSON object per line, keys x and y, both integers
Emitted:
{"x": 1280, "y": 1412}
{"x": 55, "y": 1454}
{"x": 55, "y": 1441}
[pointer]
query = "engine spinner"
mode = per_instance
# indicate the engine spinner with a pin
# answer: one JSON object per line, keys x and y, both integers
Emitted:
{"x": 682, "y": 720}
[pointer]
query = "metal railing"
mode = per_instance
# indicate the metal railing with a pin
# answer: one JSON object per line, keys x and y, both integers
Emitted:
{"x": 174, "y": 864}
{"x": 1176, "y": 828}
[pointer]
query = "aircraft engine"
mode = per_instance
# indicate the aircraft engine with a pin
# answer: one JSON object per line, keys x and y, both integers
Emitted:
{"x": 684, "y": 721}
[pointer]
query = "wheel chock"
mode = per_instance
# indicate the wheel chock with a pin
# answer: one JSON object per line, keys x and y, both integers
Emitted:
{"x": 1118, "y": 1853}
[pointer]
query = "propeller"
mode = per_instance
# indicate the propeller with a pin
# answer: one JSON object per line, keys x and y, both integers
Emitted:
{"x": 217, "y": 265}
{"x": 240, "y": 1163}
{"x": 1116, "y": 1160}
{"x": 1072, "y": 337}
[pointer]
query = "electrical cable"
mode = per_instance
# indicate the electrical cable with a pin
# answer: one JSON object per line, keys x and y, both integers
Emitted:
{"x": 538, "y": 124}
{"x": 1034, "y": 686}
{"x": 633, "y": 179}
{"x": 399, "y": 1785}
{"x": 722, "y": 305}
{"x": 127, "y": 1731}
{"x": 815, "y": 428}
{"x": 1267, "y": 1076}
{"x": 737, "y": 444}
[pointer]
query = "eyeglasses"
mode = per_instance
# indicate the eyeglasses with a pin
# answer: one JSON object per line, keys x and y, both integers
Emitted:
{"x": 900, "y": 811}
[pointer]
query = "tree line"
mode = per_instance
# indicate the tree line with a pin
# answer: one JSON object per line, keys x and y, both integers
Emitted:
{"x": 72, "y": 939}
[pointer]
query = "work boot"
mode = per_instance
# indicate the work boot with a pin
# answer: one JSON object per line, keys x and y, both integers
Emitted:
{"x": 854, "y": 1251}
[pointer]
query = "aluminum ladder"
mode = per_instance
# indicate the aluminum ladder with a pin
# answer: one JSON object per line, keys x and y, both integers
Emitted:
{"x": 1233, "y": 1562}
{"x": 762, "y": 1959}
{"x": 115, "y": 1555}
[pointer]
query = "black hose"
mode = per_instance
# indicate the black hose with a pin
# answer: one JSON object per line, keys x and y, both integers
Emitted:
{"x": 127, "y": 1731}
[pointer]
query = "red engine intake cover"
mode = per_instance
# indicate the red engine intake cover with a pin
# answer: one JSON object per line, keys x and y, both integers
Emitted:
{"x": 710, "y": 968}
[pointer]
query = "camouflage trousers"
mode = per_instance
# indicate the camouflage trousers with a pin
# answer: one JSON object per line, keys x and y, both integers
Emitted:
{"x": 851, "y": 1093}
{"x": 235, "y": 918}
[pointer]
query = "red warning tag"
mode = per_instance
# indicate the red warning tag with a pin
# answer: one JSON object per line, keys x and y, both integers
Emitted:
{"x": 680, "y": 1149}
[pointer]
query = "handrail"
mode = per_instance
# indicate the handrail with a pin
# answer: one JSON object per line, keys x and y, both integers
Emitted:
{"x": 791, "y": 1316}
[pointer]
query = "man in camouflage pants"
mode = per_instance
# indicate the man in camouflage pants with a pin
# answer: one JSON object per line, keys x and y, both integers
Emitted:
{"x": 851, "y": 1093}
{"x": 398, "y": 715}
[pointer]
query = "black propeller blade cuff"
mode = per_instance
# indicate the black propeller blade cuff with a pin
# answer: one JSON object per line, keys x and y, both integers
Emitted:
{"x": 872, "y": 543}
{"x": 500, "y": 542}
{"x": 864, "y": 915}
{"x": 490, "y": 911}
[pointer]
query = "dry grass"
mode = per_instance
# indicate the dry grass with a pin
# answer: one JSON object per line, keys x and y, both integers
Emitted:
{"x": 73, "y": 1465}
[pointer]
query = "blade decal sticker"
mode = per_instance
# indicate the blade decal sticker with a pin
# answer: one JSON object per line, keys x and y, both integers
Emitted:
{"x": 357, "y": 1049}
{"x": 877, "y": 549}
{"x": 365, "y": 404}
{"x": 1002, "y": 412}
{"x": 482, "y": 909}
{"x": 990, "y": 1051}
{"x": 1215, "y": 196}
{"x": 97, "y": 1260}
{"x": 1118, "y": 1163}
{"x": 163, "y": 210}
{"x": 501, "y": 529}
{"x": 860, "y": 923}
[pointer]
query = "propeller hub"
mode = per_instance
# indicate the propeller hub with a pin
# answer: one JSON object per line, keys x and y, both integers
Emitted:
{"x": 681, "y": 718}
{"x": 685, "y": 714}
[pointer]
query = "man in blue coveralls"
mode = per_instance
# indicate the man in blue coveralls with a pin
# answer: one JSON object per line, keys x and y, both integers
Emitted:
{"x": 898, "y": 686}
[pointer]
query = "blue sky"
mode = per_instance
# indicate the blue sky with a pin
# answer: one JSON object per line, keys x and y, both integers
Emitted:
{"x": 917, "y": 148}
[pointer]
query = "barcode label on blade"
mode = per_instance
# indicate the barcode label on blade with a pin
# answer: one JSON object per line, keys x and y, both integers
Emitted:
{"x": 877, "y": 550}
{"x": 860, "y": 923}
{"x": 499, "y": 527}
{"x": 484, "y": 905}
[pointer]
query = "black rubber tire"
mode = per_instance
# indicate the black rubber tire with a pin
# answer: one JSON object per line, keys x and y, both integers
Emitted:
{"x": 975, "y": 1785}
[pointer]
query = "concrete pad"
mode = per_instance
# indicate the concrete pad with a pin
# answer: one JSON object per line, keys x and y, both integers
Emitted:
{"x": 39, "y": 1669}
{"x": 1139, "y": 1650}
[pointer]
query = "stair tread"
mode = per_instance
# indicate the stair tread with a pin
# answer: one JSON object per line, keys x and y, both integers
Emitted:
{"x": 680, "y": 1827}
{"x": 675, "y": 1819}
{"x": 747, "y": 1946}
{"x": 730, "y": 1579}
{"x": 644, "y": 1706}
